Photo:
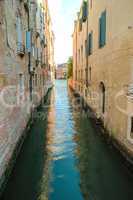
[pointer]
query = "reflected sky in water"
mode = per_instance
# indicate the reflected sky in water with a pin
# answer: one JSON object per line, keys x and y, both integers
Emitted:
{"x": 65, "y": 178}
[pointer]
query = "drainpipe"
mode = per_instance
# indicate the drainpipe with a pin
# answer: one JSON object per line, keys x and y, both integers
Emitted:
{"x": 87, "y": 42}
{"x": 29, "y": 58}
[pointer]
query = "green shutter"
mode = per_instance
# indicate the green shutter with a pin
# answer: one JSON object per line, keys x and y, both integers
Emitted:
{"x": 102, "y": 29}
{"x": 86, "y": 48}
{"x": 90, "y": 44}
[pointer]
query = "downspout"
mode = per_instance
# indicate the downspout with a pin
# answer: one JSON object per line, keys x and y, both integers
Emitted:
{"x": 29, "y": 59}
{"x": 87, "y": 42}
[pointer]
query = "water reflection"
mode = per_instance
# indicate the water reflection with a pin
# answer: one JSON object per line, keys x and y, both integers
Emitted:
{"x": 102, "y": 174}
{"x": 64, "y": 158}
{"x": 64, "y": 182}
{"x": 31, "y": 171}
{"x": 46, "y": 176}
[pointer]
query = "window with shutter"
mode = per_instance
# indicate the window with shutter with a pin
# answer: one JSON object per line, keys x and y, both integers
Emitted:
{"x": 84, "y": 11}
{"x": 36, "y": 80}
{"x": 20, "y": 46}
{"x": 19, "y": 30}
{"x": 21, "y": 84}
{"x": 90, "y": 3}
{"x": 86, "y": 48}
{"x": 33, "y": 50}
{"x": 102, "y": 30}
{"x": 90, "y": 43}
{"x": 28, "y": 41}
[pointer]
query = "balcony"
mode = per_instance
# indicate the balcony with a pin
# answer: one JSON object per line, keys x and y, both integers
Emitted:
{"x": 20, "y": 49}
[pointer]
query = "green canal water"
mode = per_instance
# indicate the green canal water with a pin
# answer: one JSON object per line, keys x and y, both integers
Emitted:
{"x": 64, "y": 158}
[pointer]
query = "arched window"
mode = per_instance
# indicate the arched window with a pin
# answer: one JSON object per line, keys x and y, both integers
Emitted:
{"x": 102, "y": 97}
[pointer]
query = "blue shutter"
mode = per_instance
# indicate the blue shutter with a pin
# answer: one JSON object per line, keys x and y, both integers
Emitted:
{"x": 28, "y": 41}
{"x": 84, "y": 11}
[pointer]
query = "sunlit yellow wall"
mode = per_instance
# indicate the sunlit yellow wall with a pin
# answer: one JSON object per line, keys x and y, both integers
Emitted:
{"x": 112, "y": 65}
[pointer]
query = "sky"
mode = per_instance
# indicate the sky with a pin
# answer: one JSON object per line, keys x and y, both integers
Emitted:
{"x": 63, "y": 14}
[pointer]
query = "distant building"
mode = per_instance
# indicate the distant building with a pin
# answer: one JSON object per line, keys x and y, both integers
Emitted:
{"x": 61, "y": 71}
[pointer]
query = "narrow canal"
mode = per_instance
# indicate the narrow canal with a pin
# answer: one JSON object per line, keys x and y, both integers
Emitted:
{"x": 63, "y": 158}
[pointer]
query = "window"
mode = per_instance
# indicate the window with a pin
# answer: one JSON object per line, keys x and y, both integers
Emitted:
{"x": 79, "y": 55}
{"x": 40, "y": 79}
{"x": 84, "y": 11}
{"x": 80, "y": 25}
{"x": 90, "y": 73}
{"x": 86, "y": 48}
{"x": 90, "y": 43}
{"x": 35, "y": 80}
{"x": 91, "y": 3}
{"x": 86, "y": 93}
{"x": 43, "y": 80}
{"x": 81, "y": 74}
{"x": 131, "y": 127}
{"x": 102, "y": 30}
{"x": 102, "y": 97}
{"x": 20, "y": 46}
{"x": 21, "y": 84}
{"x": 28, "y": 41}
{"x": 82, "y": 54}
{"x": 19, "y": 30}
{"x": 86, "y": 73}
{"x": 76, "y": 75}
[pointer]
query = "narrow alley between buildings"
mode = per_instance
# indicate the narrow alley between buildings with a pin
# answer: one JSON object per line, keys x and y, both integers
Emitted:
{"x": 64, "y": 157}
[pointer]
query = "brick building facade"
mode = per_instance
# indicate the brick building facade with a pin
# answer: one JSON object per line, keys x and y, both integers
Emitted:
{"x": 25, "y": 75}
